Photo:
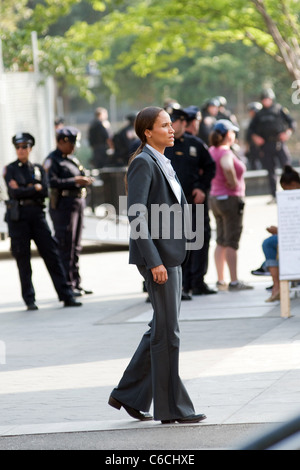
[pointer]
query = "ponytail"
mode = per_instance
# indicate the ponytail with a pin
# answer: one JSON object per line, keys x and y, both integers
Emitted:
{"x": 216, "y": 138}
{"x": 132, "y": 157}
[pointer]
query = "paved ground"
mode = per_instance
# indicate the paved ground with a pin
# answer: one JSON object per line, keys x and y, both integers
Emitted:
{"x": 240, "y": 360}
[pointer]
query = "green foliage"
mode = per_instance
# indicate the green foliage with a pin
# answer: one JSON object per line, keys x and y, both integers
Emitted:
{"x": 174, "y": 42}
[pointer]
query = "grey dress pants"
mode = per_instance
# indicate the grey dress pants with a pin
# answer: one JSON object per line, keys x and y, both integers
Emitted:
{"x": 153, "y": 370}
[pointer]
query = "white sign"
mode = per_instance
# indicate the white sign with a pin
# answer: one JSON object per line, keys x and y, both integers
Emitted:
{"x": 288, "y": 203}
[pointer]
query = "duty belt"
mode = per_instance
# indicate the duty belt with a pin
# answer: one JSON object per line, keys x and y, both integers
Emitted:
{"x": 80, "y": 193}
{"x": 30, "y": 202}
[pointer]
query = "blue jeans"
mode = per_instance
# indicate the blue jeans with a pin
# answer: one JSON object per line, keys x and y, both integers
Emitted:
{"x": 270, "y": 249}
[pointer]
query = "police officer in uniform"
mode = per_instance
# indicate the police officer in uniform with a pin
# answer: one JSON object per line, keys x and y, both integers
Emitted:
{"x": 270, "y": 128}
{"x": 68, "y": 183}
{"x": 209, "y": 113}
{"x": 195, "y": 169}
{"x": 252, "y": 150}
{"x": 123, "y": 141}
{"x": 27, "y": 189}
{"x": 224, "y": 112}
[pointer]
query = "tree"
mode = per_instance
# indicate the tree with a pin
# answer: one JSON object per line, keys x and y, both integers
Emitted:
{"x": 284, "y": 33}
{"x": 147, "y": 38}
{"x": 163, "y": 32}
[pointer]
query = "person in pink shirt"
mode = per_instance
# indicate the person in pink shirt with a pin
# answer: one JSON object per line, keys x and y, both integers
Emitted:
{"x": 227, "y": 202}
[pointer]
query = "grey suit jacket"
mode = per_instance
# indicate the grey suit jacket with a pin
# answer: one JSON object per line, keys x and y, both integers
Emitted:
{"x": 159, "y": 224}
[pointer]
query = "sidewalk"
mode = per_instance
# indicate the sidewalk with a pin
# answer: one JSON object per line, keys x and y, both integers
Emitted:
{"x": 240, "y": 360}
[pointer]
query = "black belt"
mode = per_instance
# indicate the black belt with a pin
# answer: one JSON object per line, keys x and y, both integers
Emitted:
{"x": 77, "y": 193}
{"x": 30, "y": 202}
{"x": 272, "y": 139}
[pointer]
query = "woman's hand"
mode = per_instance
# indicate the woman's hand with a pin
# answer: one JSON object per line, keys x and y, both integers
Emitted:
{"x": 13, "y": 184}
{"x": 83, "y": 180}
{"x": 160, "y": 274}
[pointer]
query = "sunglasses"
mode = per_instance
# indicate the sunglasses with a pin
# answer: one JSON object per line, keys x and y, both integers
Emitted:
{"x": 22, "y": 146}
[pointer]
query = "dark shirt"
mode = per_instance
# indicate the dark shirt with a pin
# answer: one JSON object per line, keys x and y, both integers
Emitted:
{"x": 26, "y": 175}
{"x": 270, "y": 122}
{"x": 192, "y": 163}
{"x": 122, "y": 142}
{"x": 97, "y": 134}
{"x": 62, "y": 169}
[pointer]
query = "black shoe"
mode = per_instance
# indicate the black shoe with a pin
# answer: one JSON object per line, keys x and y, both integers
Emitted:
{"x": 79, "y": 291}
{"x": 131, "y": 411}
{"x": 185, "y": 296}
{"x": 203, "y": 290}
{"x": 72, "y": 303}
{"x": 191, "y": 419}
{"x": 32, "y": 306}
{"x": 260, "y": 272}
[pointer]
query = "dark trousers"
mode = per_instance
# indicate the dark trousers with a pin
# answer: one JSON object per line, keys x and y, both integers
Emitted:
{"x": 271, "y": 152}
{"x": 196, "y": 266}
{"x": 33, "y": 226}
{"x": 153, "y": 370}
{"x": 67, "y": 222}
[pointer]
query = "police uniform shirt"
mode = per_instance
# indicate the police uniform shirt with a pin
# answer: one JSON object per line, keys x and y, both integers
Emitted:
{"x": 26, "y": 175}
{"x": 269, "y": 122}
{"x": 61, "y": 170}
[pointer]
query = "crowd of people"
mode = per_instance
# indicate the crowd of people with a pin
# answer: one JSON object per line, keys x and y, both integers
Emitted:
{"x": 211, "y": 172}
{"x": 204, "y": 158}
{"x": 261, "y": 145}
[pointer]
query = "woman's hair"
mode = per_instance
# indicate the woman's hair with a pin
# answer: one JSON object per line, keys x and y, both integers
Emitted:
{"x": 289, "y": 176}
{"x": 143, "y": 121}
{"x": 216, "y": 138}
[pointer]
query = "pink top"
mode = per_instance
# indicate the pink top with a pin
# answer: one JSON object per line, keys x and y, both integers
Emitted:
{"x": 218, "y": 184}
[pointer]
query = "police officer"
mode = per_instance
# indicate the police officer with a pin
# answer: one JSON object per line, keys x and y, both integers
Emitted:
{"x": 195, "y": 169}
{"x": 27, "y": 188}
{"x": 252, "y": 150}
{"x": 68, "y": 183}
{"x": 223, "y": 111}
{"x": 209, "y": 113}
{"x": 270, "y": 128}
{"x": 99, "y": 137}
{"x": 123, "y": 141}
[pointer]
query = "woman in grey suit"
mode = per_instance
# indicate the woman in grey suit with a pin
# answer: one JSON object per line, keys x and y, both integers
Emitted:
{"x": 158, "y": 248}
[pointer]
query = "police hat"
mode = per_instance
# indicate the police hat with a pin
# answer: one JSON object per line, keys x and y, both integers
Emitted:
{"x": 267, "y": 93}
{"x": 222, "y": 100}
{"x": 224, "y": 125}
{"x": 176, "y": 113}
{"x": 67, "y": 134}
{"x": 213, "y": 102}
{"x": 254, "y": 106}
{"x": 23, "y": 137}
{"x": 131, "y": 117}
{"x": 193, "y": 112}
